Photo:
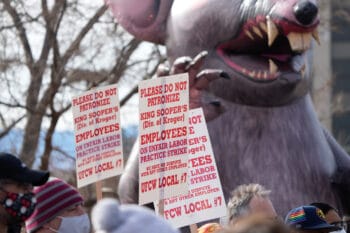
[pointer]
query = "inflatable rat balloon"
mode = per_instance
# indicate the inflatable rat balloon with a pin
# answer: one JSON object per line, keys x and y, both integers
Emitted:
{"x": 248, "y": 62}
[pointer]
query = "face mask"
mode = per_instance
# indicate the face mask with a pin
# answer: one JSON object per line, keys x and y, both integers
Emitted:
{"x": 19, "y": 205}
{"x": 76, "y": 224}
{"x": 338, "y": 231}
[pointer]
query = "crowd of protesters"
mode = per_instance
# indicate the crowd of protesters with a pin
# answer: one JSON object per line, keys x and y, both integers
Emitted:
{"x": 34, "y": 203}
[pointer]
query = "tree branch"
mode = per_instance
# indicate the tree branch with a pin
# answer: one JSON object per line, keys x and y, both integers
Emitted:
{"x": 134, "y": 90}
{"x": 123, "y": 59}
{"x": 21, "y": 32}
{"x": 76, "y": 43}
{"x": 10, "y": 127}
{"x": 52, "y": 20}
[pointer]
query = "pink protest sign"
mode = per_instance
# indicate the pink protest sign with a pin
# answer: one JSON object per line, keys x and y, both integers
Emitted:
{"x": 163, "y": 130}
{"x": 205, "y": 199}
{"x": 98, "y": 139}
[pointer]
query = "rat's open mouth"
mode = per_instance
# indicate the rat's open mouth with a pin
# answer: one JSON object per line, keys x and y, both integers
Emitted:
{"x": 267, "y": 47}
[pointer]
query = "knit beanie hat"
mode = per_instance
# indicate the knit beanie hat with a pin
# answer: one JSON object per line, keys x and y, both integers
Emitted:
{"x": 109, "y": 217}
{"x": 52, "y": 199}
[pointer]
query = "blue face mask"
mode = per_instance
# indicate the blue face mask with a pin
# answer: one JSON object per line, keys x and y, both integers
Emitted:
{"x": 74, "y": 224}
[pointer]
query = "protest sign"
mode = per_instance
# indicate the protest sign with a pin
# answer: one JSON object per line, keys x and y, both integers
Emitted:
{"x": 205, "y": 199}
{"x": 98, "y": 140}
{"x": 163, "y": 131}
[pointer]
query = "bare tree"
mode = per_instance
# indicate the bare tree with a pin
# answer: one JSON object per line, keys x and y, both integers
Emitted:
{"x": 51, "y": 50}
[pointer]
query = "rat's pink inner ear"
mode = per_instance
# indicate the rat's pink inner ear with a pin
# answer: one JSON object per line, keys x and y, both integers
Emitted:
{"x": 145, "y": 19}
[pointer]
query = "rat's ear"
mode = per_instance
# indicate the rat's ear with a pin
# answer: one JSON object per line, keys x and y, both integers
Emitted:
{"x": 145, "y": 19}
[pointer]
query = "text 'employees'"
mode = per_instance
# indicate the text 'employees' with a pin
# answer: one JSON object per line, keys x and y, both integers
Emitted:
{"x": 163, "y": 135}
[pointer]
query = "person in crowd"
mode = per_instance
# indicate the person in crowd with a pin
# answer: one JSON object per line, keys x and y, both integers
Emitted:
{"x": 346, "y": 220}
{"x": 249, "y": 199}
{"x": 308, "y": 219}
{"x": 59, "y": 209}
{"x": 209, "y": 228}
{"x": 109, "y": 217}
{"x": 256, "y": 223}
{"x": 16, "y": 197}
{"x": 331, "y": 215}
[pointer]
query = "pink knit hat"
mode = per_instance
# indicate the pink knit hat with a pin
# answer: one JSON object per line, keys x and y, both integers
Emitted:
{"x": 52, "y": 198}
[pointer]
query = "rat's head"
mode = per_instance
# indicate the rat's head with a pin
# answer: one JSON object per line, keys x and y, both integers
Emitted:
{"x": 262, "y": 44}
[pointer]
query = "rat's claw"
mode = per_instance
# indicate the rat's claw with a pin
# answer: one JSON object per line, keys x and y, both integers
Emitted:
{"x": 163, "y": 70}
{"x": 212, "y": 107}
{"x": 206, "y": 76}
{"x": 197, "y": 61}
{"x": 180, "y": 65}
{"x": 212, "y": 110}
{"x": 215, "y": 103}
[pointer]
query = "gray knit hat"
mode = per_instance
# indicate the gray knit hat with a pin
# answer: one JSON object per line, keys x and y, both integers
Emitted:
{"x": 110, "y": 217}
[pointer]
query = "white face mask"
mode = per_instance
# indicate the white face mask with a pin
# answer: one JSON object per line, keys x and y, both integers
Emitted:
{"x": 338, "y": 231}
{"x": 75, "y": 224}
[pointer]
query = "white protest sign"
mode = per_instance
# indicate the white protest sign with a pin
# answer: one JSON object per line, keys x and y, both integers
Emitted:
{"x": 98, "y": 139}
{"x": 163, "y": 131}
{"x": 205, "y": 199}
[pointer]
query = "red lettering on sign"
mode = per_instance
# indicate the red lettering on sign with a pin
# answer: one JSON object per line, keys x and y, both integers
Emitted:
{"x": 197, "y": 206}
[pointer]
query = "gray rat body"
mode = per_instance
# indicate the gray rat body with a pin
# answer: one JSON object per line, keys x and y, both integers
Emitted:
{"x": 253, "y": 85}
